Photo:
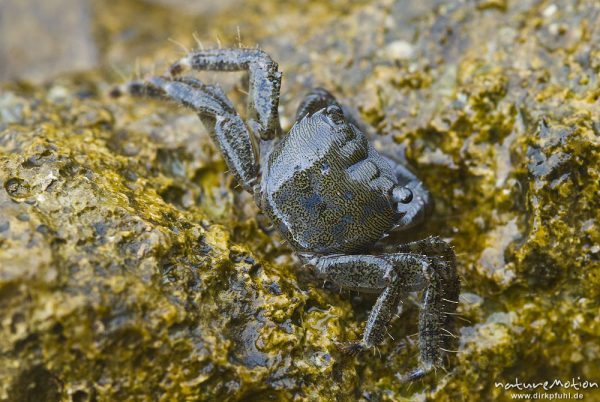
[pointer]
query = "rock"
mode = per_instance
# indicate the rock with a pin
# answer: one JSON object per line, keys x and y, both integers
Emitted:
{"x": 40, "y": 40}
{"x": 131, "y": 267}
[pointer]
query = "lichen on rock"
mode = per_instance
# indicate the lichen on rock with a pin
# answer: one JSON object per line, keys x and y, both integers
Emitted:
{"x": 132, "y": 268}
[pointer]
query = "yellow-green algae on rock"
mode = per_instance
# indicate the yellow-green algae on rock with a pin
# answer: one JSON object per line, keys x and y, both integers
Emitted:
{"x": 112, "y": 289}
{"x": 132, "y": 269}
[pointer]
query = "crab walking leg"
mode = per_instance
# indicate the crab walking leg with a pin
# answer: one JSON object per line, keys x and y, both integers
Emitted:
{"x": 432, "y": 245}
{"x": 444, "y": 295}
{"x": 264, "y": 82}
{"x": 315, "y": 100}
{"x": 443, "y": 260}
{"x": 364, "y": 273}
{"x": 216, "y": 112}
{"x": 396, "y": 274}
{"x": 214, "y": 90}
{"x": 320, "y": 98}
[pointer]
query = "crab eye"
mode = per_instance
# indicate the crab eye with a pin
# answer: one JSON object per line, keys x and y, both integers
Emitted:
{"x": 403, "y": 195}
{"x": 335, "y": 114}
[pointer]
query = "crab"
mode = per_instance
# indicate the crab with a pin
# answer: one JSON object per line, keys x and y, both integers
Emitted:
{"x": 326, "y": 189}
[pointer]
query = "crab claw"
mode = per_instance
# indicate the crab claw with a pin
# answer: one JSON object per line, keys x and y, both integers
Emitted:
{"x": 351, "y": 348}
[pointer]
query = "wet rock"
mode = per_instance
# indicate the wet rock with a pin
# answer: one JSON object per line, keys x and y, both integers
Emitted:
{"x": 130, "y": 266}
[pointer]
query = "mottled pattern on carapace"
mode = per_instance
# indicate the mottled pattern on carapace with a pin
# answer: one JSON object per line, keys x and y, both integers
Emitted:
{"x": 322, "y": 199}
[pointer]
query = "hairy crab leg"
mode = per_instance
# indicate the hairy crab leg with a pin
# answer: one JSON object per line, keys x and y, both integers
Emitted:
{"x": 394, "y": 275}
{"x": 216, "y": 112}
{"x": 264, "y": 82}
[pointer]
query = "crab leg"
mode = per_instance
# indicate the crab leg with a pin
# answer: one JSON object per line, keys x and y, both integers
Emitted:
{"x": 320, "y": 98}
{"x": 396, "y": 274}
{"x": 216, "y": 112}
{"x": 264, "y": 82}
{"x": 315, "y": 100}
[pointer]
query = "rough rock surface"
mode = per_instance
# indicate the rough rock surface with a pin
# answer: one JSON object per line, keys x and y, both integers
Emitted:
{"x": 131, "y": 268}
